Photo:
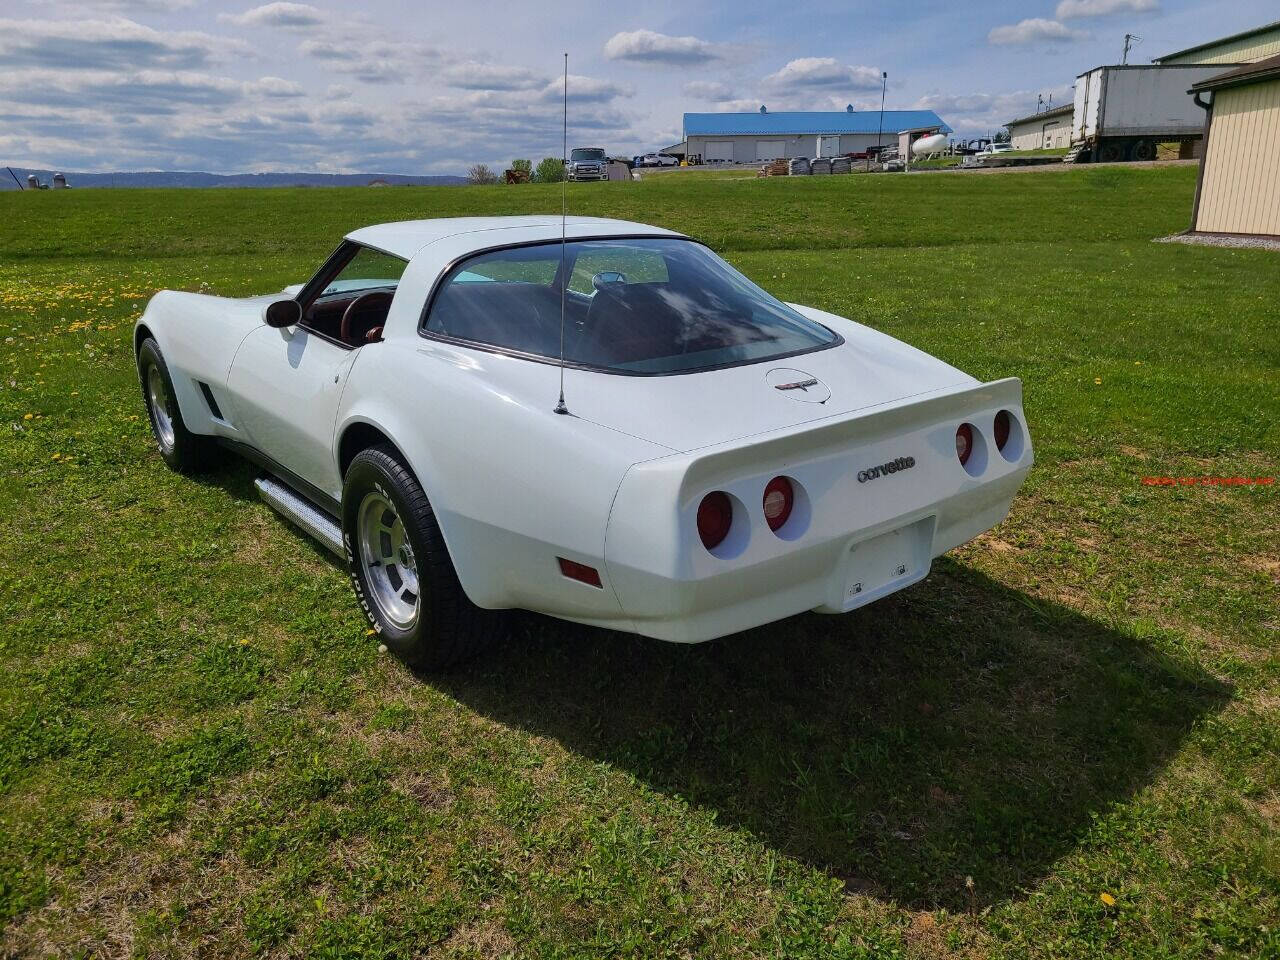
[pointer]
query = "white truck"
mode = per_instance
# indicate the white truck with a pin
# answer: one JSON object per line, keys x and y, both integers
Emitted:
{"x": 1122, "y": 112}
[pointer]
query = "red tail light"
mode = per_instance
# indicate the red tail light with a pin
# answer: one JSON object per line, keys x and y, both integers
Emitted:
{"x": 1003, "y": 425}
{"x": 779, "y": 498}
{"x": 715, "y": 516}
{"x": 964, "y": 442}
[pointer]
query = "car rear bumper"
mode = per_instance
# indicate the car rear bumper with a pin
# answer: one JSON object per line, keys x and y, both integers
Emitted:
{"x": 849, "y": 542}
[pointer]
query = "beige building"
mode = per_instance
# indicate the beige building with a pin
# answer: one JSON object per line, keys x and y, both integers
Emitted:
{"x": 1045, "y": 130}
{"x": 1239, "y": 186}
{"x": 1247, "y": 47}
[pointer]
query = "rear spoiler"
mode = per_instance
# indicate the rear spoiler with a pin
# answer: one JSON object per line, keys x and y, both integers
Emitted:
{"x": 707, "y": 464}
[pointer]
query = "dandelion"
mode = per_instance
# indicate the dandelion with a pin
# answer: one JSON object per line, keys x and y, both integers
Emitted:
{"x": 1107, "y": 899}
{"x": 28, "y": 416}
{"x": 1098, "y": 380}
{"x": 368, "y": 633}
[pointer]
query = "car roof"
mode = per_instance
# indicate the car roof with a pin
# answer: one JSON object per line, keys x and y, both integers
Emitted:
{"x": 407, "y": 237}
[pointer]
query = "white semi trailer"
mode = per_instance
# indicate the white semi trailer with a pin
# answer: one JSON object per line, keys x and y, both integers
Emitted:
{"x": 1122, "y": 112}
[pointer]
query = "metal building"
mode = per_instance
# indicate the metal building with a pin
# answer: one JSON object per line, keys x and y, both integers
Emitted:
{"x": 761, "y": 136}
{"x": 1247, "y": 47}
{"x": 1046, "y": 130}
{"x": 1239, "y": 186}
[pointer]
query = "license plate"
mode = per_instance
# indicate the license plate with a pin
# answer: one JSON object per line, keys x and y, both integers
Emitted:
{"x": 886, "y": 563}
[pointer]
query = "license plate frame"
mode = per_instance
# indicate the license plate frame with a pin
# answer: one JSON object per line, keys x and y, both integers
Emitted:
{"x": 886, "y": 562}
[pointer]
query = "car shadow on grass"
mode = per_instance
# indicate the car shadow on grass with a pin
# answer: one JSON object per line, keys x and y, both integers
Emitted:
{"x": 939, "y": 748}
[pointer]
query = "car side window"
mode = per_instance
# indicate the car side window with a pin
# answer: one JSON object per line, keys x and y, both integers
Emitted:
{"x": 369, "y": 269}
{"x": 540, "y": 271}
{"x": 618, "y": 265}
{"x": 366, "y": 280}
{"x": 508, "y": 298}
{"x": 645, "y": 305}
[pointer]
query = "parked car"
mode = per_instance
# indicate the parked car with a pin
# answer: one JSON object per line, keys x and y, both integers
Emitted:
{"x": 840, "y": 165}
{"x": 798, "y": 166}
{"x": 733, "y": 461}
{"x": 994, "y": 149}
{"x": 660, "y": 160}
{"x": 820, "y": 166}
{"x": 587, "y": 163}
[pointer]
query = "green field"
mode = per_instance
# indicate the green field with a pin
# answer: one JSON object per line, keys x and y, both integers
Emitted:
{"x": 1063, "y": 743}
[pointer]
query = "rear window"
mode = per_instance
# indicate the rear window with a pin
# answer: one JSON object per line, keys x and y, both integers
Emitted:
{"x": 652, "y": 305}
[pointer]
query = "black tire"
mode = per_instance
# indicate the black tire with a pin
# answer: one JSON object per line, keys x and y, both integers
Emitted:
{"x": 1143, "y": 150}
{"x": 446, "y": 627}
{"x": 1111, "y": 152}
{"x": 182, "y": 450}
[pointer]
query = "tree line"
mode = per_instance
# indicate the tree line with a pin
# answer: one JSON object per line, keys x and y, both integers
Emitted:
{"x": 548, "y": 170}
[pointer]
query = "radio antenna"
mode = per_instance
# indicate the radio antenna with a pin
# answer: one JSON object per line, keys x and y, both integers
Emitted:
{"x": 561, "y": 406}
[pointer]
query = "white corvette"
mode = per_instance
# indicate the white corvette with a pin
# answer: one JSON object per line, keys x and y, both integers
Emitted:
{"x": 722, "y": 460}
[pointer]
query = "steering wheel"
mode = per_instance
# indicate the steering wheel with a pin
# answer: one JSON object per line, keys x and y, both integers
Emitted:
{"x": 362, "y": 302}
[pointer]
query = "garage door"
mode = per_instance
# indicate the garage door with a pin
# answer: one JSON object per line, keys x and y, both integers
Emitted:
{"x": 770, "y": 149}
{"x": 719, "y": 150}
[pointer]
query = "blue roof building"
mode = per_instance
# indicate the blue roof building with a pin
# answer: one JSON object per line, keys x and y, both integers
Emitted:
{"x": 812, "y": 122}
{"x": 760, "y": 136}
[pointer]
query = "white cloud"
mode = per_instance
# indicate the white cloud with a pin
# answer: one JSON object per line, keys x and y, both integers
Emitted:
{"x": 137, "y": 6}
{"x": 121, "y": 97}
{"x": 1072, "y": 9}
{"x": 645, "y": 46}
{"x": 370, "y": 60}
{"x": 1034, "y": 30}
{"x": 116, "y": 43}
{"x": 289, "y": 16}
{"x": 277, "y": 87}
{"x": 473, "y": 75}
{"x": 708, "y": 90}
{"x": 581, "y": 90}
{"x": 977, "y": 113}
{"x": 742, "y": 105}
{"x": 823, "y": 72}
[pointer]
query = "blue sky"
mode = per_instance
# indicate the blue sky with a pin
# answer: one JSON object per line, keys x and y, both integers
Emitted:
{"x": 423, "y": 88}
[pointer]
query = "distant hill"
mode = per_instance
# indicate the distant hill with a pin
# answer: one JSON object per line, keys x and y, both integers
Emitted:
{"x": 179, "y": 178}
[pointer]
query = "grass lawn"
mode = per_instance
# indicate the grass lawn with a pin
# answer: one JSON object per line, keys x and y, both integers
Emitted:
{"x": 1063, "y": 743}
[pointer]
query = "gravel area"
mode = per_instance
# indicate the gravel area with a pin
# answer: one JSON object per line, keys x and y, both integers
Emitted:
{"x": 1059, "y": 167}
{"x": 1223, "y": 240}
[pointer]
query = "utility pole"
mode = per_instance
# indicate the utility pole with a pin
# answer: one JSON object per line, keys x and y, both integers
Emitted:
{"x": 884, "y": 85}
{"x": 1129, "y": 41}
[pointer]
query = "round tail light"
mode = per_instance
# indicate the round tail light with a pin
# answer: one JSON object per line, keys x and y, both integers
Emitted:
{"x": 715, "y": 516}
{"x": 964, "y": 442}
{"x": 1004, "y": 424}
{"x": 779, "y": 498}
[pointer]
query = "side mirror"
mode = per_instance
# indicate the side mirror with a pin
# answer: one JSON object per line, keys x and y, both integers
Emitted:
{"x": 283, "y": 313}
{"x": 606, "y": 277}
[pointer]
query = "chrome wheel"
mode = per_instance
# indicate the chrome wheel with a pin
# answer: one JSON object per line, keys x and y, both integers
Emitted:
{"x": 158, "y": 401}
{"x": 386, "y": 557}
